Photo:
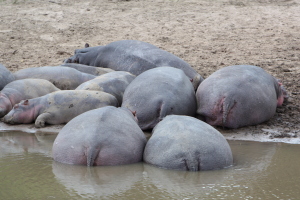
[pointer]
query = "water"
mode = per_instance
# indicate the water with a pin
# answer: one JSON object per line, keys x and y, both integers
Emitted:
{"x": 260, "y": 171}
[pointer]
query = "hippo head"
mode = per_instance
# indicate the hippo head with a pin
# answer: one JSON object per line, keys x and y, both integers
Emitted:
{"x": 22, "y": 113}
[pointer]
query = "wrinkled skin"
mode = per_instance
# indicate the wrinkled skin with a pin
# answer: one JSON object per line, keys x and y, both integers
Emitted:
{"x": 157, "y": 93}
{"x": 104, "y": 136}
{"x": 133, "y": 56}
{"x": 113, "y": 83}
{"x": 239, "y": 95}
{"x": 96, "y": 71}
{"x": 23, "y": 89}
{"x": 5, "y": 76}
{"x": 65, "y": 78}
{"x": 58, "y": 107}
{"x": 186, "y": 143}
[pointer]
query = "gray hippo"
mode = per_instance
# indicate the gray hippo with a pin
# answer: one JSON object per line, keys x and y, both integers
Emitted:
{"x": 65, "y": 78}
{"x": 23, "y": 89}
{"x": 186, "y": 143}
{"x": 96, "y": 71}
{"x": 159, "y": 92}
{"x": 5, "y": 76}
{"x": 132, "y": 56}
{"x": 104, "y": 136}
{"x": 113, "y": 83}
{"x": 58, "y": 107}
{"x": 239, "y": 95}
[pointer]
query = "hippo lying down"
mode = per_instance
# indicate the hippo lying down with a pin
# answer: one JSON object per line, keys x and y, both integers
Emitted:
{"x": 58, "y": 107}
{"x": 104, "y": 136}
{"x": 132, "y": 56}
{"x": 157, "y": 93}
{"x": 23, "y": 89}
{"x": 239, "y": 95}
{"x": 186, "y": 143}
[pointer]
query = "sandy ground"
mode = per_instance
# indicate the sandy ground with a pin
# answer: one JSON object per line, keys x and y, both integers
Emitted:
{"x": 208, "y": 34}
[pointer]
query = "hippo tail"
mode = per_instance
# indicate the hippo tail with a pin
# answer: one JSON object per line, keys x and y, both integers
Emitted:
{"x": 228, "y": 104}
{"x": 91, "y": 155}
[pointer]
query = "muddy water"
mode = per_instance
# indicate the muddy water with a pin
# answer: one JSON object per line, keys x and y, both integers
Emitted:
{"x": 260, "y": 171}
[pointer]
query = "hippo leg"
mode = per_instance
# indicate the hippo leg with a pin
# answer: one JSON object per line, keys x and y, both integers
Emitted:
{"x": 42, "y": 119}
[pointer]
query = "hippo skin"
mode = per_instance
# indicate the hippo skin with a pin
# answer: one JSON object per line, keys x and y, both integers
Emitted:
{"x": 113, "y": 83}
{"x": 65, "y": 78}
{"x": 239, "y": 95}
{"x": 58, "y": 107}
{"x": 157, "y": 93}
{"x": 5, "y": 76}
{"x": 132, "y": 56}
{"x": 96, "y": 71}
{"x": 23, "y": 89}
{"x": 104, "y": 136}
{"x": 186, "y": 143}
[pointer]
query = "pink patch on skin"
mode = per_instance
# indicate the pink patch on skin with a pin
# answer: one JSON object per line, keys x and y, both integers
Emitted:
{"x": 280, "y": 100}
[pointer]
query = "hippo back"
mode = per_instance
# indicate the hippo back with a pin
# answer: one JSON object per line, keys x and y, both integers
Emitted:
{"x": 5, "y": 76}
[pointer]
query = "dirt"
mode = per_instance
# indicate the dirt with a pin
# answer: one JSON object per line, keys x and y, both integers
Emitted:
{"x": 207, "y": 34}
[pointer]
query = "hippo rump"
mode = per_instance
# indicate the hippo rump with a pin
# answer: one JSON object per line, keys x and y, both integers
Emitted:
{"x": 23, "y": 89}
{"x": 104, "y": 136}
{"x": 113, "y": 83}
{"x": 58, "y": 107}
{"x": 96, "y": 71}
{"x": 132, "y": 56}
{"x": 5, "y": 76}
{"x": 186, "y": 143}
{"x": 65, "y": 78}
{"x": 239, "y": 95}
{"x": 159, "y": 92}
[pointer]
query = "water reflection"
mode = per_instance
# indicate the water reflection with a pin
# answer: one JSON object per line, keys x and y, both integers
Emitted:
{"x": 260, "y": 171}
{"x": 18, "y": 142}
{"x": 98, "y": 182}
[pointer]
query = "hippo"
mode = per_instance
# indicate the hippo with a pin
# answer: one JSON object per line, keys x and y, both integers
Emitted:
{"x": 186, "y": 143}
{"x": 133, "y": 56}
{"x": 5, "y": 76}
{"x": 113, "y": 83}
{"x": 65, "y": 78}
{"x": 239, "y": 95}
{"x": 23, "y": 89}
{"x": 96, "y": 71}
{"x": 58, "y": 107}
{"x": 103, "y": 136}
{"x": 159, "y": 92}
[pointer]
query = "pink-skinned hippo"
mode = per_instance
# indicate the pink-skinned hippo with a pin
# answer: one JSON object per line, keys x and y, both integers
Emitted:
{"x": 5, "y": 76}
{"x": 96, "y": 71}
{"x": 186, "y": 143}
{"x": 133, "y": 56}
{"x": 104, "y": 136}
{"x": 65, "y": 78}
{"x": 58, "y": 107}
{"x": 239, "y": 95}
{"x": 157, "y": 93}
{"x": 113, "y": 83}
{"x": 19, "y": 90}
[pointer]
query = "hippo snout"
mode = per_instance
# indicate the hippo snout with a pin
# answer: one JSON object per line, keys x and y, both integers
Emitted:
{"x": 8, "y": 119}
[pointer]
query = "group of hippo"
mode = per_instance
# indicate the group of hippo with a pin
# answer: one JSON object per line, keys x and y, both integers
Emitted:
{"x": 108, "y": 95}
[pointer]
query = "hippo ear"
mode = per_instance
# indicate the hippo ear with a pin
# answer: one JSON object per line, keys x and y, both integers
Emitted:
{"x": 25, "y": 102}
{"x": 134, "y": 113}
{"x": 86, "y": 45}
{"x": 192, "y": 80}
